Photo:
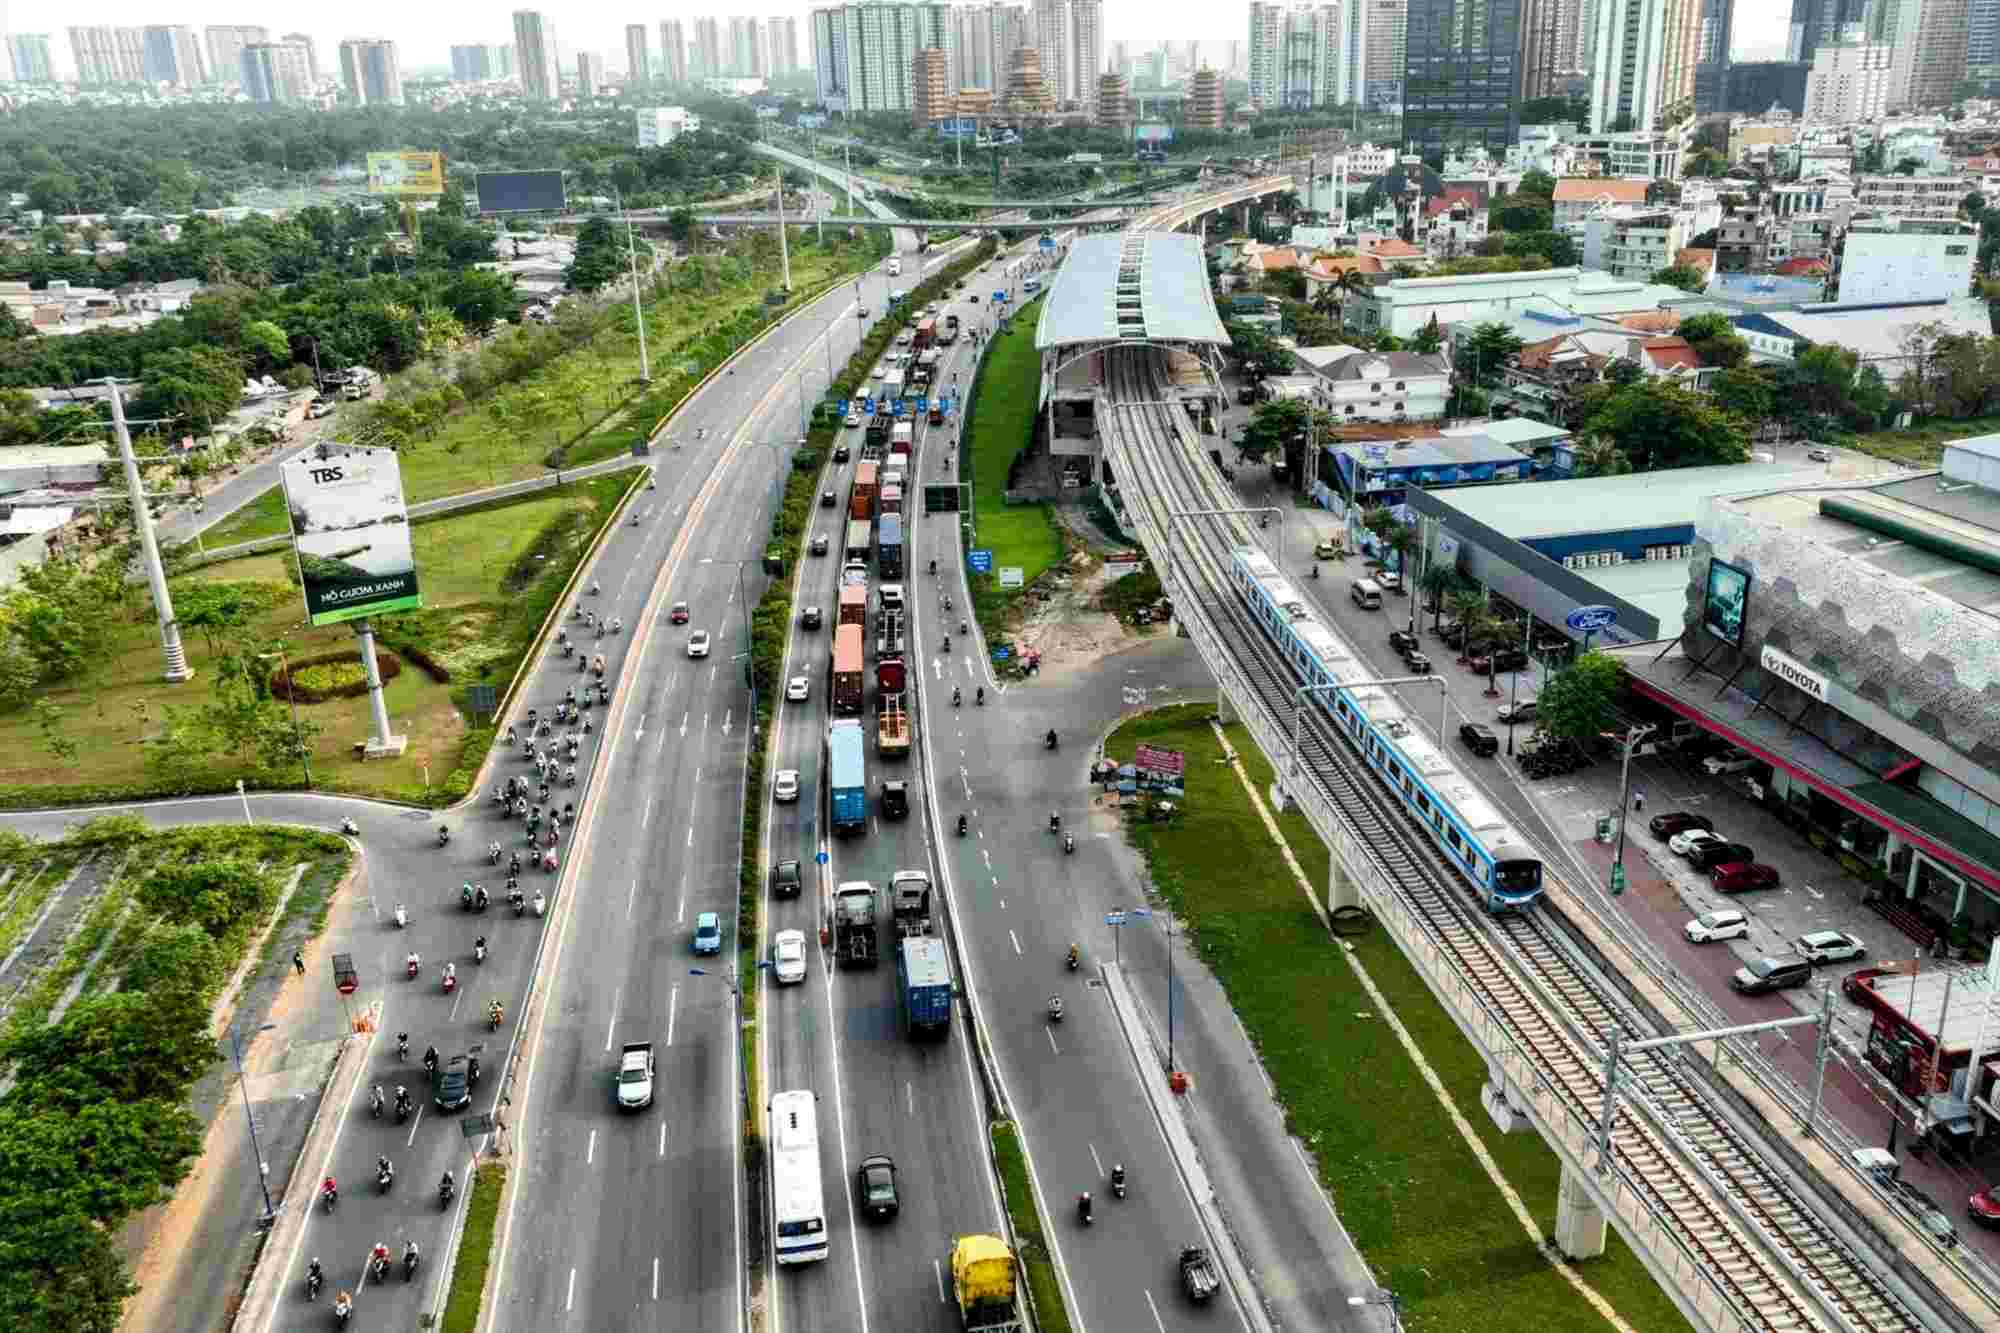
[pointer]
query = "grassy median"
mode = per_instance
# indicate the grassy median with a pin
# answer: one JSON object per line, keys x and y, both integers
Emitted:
{"x": 1017, "y": 1184}
{"x": 475, "y": 1249}
{"x": 1003, "y": 427}
{"x": 1409, "y": 1190}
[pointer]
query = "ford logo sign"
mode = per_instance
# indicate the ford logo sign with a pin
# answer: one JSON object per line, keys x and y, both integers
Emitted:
{"x": 1589, "y": 619}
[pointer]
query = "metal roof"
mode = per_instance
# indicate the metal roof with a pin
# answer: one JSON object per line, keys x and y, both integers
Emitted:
{"x": 1527, "y": 510}
{"x": 1131, "y": 285}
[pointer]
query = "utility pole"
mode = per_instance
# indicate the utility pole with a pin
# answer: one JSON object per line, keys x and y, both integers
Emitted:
{"x": 177, "y": 668}
{"x": 784, "y": 251}
{"x": 847, "y": 171}
{"x": 638, "y": 311}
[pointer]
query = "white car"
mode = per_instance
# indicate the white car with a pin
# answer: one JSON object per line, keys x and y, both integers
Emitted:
{"x": 786, "y": 786}
{"x": 1723, "y": 924}
{"x": 853, "y": 419}
{"x": 1829, "y": 946}
{"x": 788, "y": 956}
{"x": 698, "y": 643}
{"x": 798, "y": 689}
{"x": 1684, "y": 843}
{"x": 879, "y": 372}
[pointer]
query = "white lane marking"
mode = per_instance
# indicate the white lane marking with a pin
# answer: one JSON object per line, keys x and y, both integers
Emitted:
{"x": 1003, "y": 904}
{"x": 910, "y": 1096}
{"x": 690, "y": 837}
{"x": 937, "y": 1271}
{"x": 632, "y": 899}
{"x": 1161, "y": 1324}
{"x": 413, "y": 1126}
{"x": 663, "y": 1139}
{"x": 656, "y": 1259}
{"x": 727, "y": 716}
{"x": 590, "y": 1149}
{"x": 1095, "y": 1160}
{"x": 1050, "y": 1029}
{"x": 673, "y": 1006}
{"x": 611, "y": 1024}
{"x": 642, "y": 727}
{"x": 648, "y": 817}
{"x": 569, "y": 1301}
{"x": 684, "y": 722}
{"x": 1016, "y": 939}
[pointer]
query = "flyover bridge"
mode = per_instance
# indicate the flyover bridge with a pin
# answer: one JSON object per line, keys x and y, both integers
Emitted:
{"x": 937, "y": 224}
{"x": 1743, "y": 1223}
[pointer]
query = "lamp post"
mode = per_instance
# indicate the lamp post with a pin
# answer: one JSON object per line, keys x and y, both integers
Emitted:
{"x": 1633, "y": 735}
{"x": 1381, "y": 1296}
{"x": 728, "y": 978}
{"x": 638, "y": 311}
{"x": 263, "y": 1172}
{"x": 292, "y": 696}
{"x": 1514, "y": 698}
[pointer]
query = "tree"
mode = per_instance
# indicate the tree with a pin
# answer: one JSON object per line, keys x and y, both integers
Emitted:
{"x": 1429, "y": 338}
{"x": 1744, "y": 392}
{"x": 1684, "y": 276}
{"x": 1483, "y": 355}
{"x": 1578, "y": 703}
{"x": 1659, "y": 424}
{"x": 1272, "y": 428}
{"x": 599, "y": 258}
{"x": 1598, "y": 456}
{"x": 198, "y": 386}
{"x": 1825, "y": 372}
{"x": 1714, "y": 340}
{"x": 1520, "y": 212}
{"x": 1257, "y": 349}
{"x": 266, "y": 345}
{"x": 1535, "y": 181}
{"x": 1554, "y": 246}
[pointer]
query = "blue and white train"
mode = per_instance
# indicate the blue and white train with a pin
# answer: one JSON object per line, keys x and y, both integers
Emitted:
{"x": 1499, "y": 864}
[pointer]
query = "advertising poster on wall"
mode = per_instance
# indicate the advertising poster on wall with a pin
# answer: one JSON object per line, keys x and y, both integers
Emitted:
{"x": 351, "y": 533}
{"x": 1722, "y": 609}
{"x": 406, "y": 173}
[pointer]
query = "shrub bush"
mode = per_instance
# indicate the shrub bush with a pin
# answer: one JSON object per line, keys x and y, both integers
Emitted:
{"x": 296, "y": 682}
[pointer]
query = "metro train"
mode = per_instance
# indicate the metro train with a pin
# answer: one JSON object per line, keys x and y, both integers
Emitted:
{"x": 1499, "y": 864}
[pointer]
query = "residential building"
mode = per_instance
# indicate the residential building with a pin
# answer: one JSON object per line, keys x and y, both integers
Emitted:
{"x": 1633, "y": 243}
{"x": 1747, "y": 135}
{"x": 1753, "y": 87}
{"x": 225, "y": 48}
{"x": 33, "y": 57}
{"x": 1742, "y": 243}
{"x": 1204, "y": 107}
{"x": 1818, "y": 22}
{"x": 745, "y": 57}
{"x": 1648, "y": 154}
{"x": 589, "y": 74}
{"x": 174, "y": 55}
{"x": 1643, "y": 75}
{"x": 986, "y": 35}
{"x": 638, "y": 61}
{"x": 1086, "y": 47}
{"x": 1982, "y": 46}
{"x": 707, "y": 59}
{"x": 1888, "y": 259}
{"x": 1573, "y": 33}
{"x": 1461, "y": 76}
{"x": 1577, "y": 198}
{"x": 275, "y": 73}
{"x": 673, "y": 51}
{"x": 535, "y": 55}
{"x": 1711, "y": 63}
{"x": 1911, "y": 196}
{"x": 107, "y": 55}
{"x": 371, "y": 73}
{"x": 1385, "y": 386}
{"x": 1305, "y": 56}
{"x": 1454, "y": 222}
{"x": 1930, "y": 40}
{"x": 478, "y": 63}
{"x": 1386, "y": 24}
{"x": 661, "y": 125}
{"x": 1054, "y": 40}
{"x": 782, "y": 34}
{"x": 930, "y": 94}
{"x": 865, "y": 50}
{"x": 1849, "y": 81}
{"x": 305, "y": 39}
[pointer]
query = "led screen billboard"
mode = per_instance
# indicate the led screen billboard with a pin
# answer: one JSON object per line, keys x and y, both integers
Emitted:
{"x": 406, "y": 173}
{"x": 1153, "y": 134}
{"x": 520, "y": 192}
{"x": 351, "y": 533}
{"x": 1722, "y": 609}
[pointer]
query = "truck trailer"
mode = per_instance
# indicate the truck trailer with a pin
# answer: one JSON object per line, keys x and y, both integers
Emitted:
{"x": 858, "y": 539}
{"x": 853, "y": 607}
{"x": 892, "y": 729}
{"x": 845, "y": 685}
{"x": 925, "y": 978}
{"x": 901, "y": 435}
{"x": 889, "y": 547}
{"x": 949, "y": 333}
{"x": 861, "y": 499}
{"x": 847, "y": 766}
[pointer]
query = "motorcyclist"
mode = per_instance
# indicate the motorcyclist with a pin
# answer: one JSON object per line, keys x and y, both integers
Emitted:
{"x": 933, "y": 567}
{"x": 595, "y": 587}
{"x": 444, "y": 834}
{"x": 343, "y": 1305}
{"x": 413, "y": 964}
{"x": 961, "y": 826}
{"x": 1055, "y": 821}
{"x": 947, "y": 643}
{"x": 410, "y": 1258}
{"x": 375, "y": 1100}
{"x": 980, "y": 696}
{"x": 479, "y": 898}
{"x": 1074, "y": 954}
{"x": 1118, "y": 1178}
{"x": 1052, "y": 738}
{"x": 402, "y": 1045}
{"x": 617, "y": 624}
{"x": 493, "y": 853}
{"x": 495, "y": 1012}
{"x": 314, "y": 1277}
{"x": 402, "y": 1100}
{"x": 378, "y": 1259}
{"x": 385, "y": 1171}
{"x": 450, "y": 975}
{"x": 349, "y": 827}
{"x": 447, "y": 1186}
{"x": 329, "y": 1191}
{"x": 472, "y": 1068}
{"x": 1055, "y": 1007}
{"x": 1069, "y": 842}
{"x": 430, "y": 1059}
{"x": 479, "y": 948}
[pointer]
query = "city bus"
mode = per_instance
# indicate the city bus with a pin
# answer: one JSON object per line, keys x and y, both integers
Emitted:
{"x": 798, "y": 1221}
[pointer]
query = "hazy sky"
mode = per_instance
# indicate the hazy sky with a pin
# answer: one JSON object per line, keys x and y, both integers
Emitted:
{"x": 426, "y": 34}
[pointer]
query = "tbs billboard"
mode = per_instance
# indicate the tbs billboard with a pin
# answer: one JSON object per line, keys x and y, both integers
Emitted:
{"x": 351, "y": 533}
{"x": 521, "y": 192}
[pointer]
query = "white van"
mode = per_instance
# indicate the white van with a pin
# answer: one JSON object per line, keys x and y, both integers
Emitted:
{"x": 1367, "y": 594}
{"x": 895, "y": 266}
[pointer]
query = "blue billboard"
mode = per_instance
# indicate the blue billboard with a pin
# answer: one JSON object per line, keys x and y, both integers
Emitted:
{"x": 962, "y": 128}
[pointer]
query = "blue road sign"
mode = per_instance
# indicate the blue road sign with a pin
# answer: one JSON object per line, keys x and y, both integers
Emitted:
{"x": 999, "y": 654}
{"x": 1000, "y": 296}
{"x": 1589, "y": 619}
{"x": 1114, "y": 918}
{"x": 1048, "y": 243}
{"x": 950, "y": 405}
{"x": 980, "y": 560}
{"x": 842, "y": 407}
{"x": 821, "y": 858}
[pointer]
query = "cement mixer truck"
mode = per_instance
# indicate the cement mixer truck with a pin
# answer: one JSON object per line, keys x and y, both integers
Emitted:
{"x": 983, "y": 1281}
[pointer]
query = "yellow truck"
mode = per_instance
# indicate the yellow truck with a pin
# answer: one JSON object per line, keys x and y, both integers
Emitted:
{"x": 983, "y": 1280}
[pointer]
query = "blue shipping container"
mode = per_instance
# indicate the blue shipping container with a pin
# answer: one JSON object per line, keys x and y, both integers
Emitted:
{"x": 926, "y": 982}
{"x": 847, "y": 765}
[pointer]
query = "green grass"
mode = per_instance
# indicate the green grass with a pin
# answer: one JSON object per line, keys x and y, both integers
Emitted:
{"x": 1003, "y": 421}
{"x": 262, "y": 517}
{"x": 475, "y": 1249}
{"x": 1018, "y": 1185}
{"x": 1407, "y": 1188}
{"x": 1922, "y": 443}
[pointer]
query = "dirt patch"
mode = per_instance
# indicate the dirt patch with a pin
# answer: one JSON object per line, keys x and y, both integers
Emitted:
{"x": 1063, "y": 620}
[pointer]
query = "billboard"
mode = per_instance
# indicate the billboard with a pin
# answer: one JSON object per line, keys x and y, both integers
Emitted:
{"x": 351, "y": 533}
{"x": 406, "y": 173}
{"x": 520, "y": 192}
{"x": 1153, "y": 134}
{"x": 964, "y": 127}
{"x": 1727, "y": 595}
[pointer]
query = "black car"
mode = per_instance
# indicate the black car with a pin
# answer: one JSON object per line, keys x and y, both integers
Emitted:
{"x": 1479, "y": 739}
{"x": 1504, "y": 659}
{"x": 452, "y": 1090}
{"x": 811, "y": 618}
{"x": 877, "y": 1179}
{"x": 786, "y": 879}
{"x": 1677, "y": 821}
{"x": 1402, "y": 641}
{"x": 840, "y": 453}
{"x": 1720, "y": 853}
{"x": 895, "y": 800}
{"x": 819, "y": 543}
{"x": 827, "y": 500}
{"x": 1418, "y": 663}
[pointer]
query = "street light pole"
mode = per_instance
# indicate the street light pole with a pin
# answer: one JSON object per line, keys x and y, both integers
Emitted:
{"x": 1632, "y": 737}
{"x": 292, "y": 694}
{"x": 263, "y": 1182}
{"x": 177, "y": 668}
{"x": 638, "y": 311}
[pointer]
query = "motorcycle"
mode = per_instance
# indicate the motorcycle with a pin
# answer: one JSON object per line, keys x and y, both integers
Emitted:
{"x": 479, "y": 899}
{"x": 379, "y": 1268}
{"x": 402, "y": 916}
{"x": 1050, "y": 740}
{"x": 479, "y": 951}
{"x": 343, "y": 1307}
{"x": 444, "y": 835}
{"x": 402, "y": 1107}
{"x": 445, "y": 1191}
{"x": 1069, "y": 843}
{"x": 493, "y": 1017}
{"x": 411, "y": 966}
{"x": 1075, "y": 957}
{"x": 541, "y": 903}
{"x": 329, "y": 1197}
{"x": 402, "y": 1045}
{"x": 410, "y": 1261}
{"x": 493, "y": 854}
{"x": 1117, "y": 1182}
{"x": 1055, "y": 1009}
{"x": 450, "y": 980}
{"x": 954, "y": 696}
{"x": 350, "y": 828}
{"x": 313, "y": 1280}
{"x": 517, "y": 902}
{"x": 980, "y": 698}
{"x": 384, "y": 1178}
{"x": 375, "y": 1102}
{"x": 947, "y": 643}
{"x": 961, "y": 826}
{"x": 465, "y": 897}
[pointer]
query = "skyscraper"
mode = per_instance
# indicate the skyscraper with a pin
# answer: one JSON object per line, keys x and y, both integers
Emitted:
{"x": 784, "y": 44}
{"x": 1387, "y": 25}
{"x": 173, "y": 55}
{"x": 1930, "y": 38}
{"x": 1461, "y": 76}
{"x": 706, "y": 60}
{"x": 673, "y": 51}
{"x": 986, "y": 34}
{"x": 930, "y": 97}
{"x": 1849, "y": 80}
{"x": 1818, "y": 21}
{"x": 863, "y": 51}
{"x": 638, "y": 67}
{"x": 535, "y": 55}
{"x": 105, "y": 54}
{"x": 743, "y": 50}
{"x": 1307, "y": 55}
{"x": 589, "y": 74}
{"x": 1711, "y": 67}
{"x": 34, "y": 60}
{"x": 1982, "y": 47}
{"x": 274, "y": 73}
{"x": 225, "y": 43}
{"x": 370, "y": 71}
{"x": 1642, "y": 77}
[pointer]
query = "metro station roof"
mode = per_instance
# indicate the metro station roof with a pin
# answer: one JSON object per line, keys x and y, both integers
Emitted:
{"x": 1131, "y": 285}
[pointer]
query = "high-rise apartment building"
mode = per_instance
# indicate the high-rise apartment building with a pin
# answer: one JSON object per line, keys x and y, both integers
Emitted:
{"x": 930, "y": 93}
{"x": 1086, "y": 19}
{"x": 1462, "y": 76}
{"x": 479, "y": 62}
{"x": 225, "y": 44}
{"x": 589, "y": 74}
{"x": 706, "y": 60}
{"x": 1306, "y": 55}
{"x": 174, "y": 55}
{"x": 305, "y": 40}
{"x": 1542, "y": 58}
{"x": 1815, "y": 22}
{"x": 1711, "y": 63}
{"x": 1204, "y": 110}
{"x": 1387, "y": 25}
{"x": 986, "y": 35}
{"x": 371, "y": 74}
{"x": 1572, "y": 24}
{"x": 673, "y": 51}
{"x": 535, "y": 55}
{"x": 745, "y": 54}
{"x": 34, "y": 57}
{"x": 1930, "y": 38}
{"x": 863, "y": 51}
{"x": 1850, "y": 79}
{"x": 783, "y": 32}
{"x": 1982, "y": 46}
{"x": 274, "y": 73}
{"x": 1643, "y": 75}
{"x": 638, "y": 65}
{"x": 105, "y": 54}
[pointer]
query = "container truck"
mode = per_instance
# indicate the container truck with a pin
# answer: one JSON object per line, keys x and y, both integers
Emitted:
{"x": 889, "y": 547}
{"x": 926, "y": 983}
{"x": 926, "y": 335}
{"x": 848, "y": 769}
{"x": 937, "y": 411}
{"x": 858, "y": 539}
{"x": 854, "y": 574}
{"x": 982, "y": 1282}
{"x": 853, "y": 607}
{"x": 846, "y": 687}
{"x": 854, "y": 923}
{"x": 892, "y": 384}
{"x": 892, "y": 498}
{"x": 901, "y": 435}
{"x": 861, "y": 499}
{"x": 889, "y": 638}
{"x": 892, "y": 729}
{"x": 891, "y": 676}
{"x": 877, "y": 433}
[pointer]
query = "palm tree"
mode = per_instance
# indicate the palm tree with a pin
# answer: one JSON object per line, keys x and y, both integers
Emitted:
{"x": 1600, "y": 456}
{"x": 1467, "y": 606}
{"x": 1439, "y": 582}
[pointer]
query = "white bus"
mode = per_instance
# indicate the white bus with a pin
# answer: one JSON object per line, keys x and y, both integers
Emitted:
{"x": 797, "y": 1212}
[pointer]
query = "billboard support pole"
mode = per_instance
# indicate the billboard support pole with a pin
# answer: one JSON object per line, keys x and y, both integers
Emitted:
{"x": 638, "y": 311}
{"x": 383, "y": 743}
{"x": 177, "y": 668}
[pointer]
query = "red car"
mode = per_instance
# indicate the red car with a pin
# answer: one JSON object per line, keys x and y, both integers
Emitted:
{"x": 1984, "y": 1207}
{"x": 679, "y": 615}
{"x": 1743, "y": 876}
